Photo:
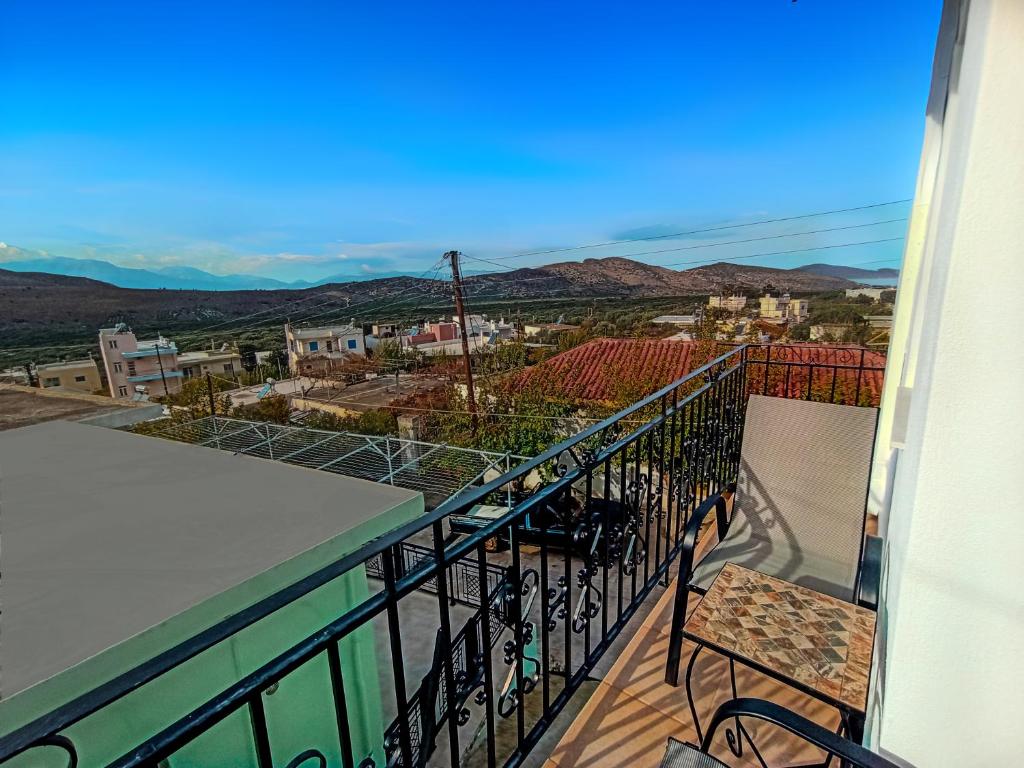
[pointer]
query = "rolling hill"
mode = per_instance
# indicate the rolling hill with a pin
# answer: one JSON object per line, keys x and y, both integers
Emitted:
{"x": 39, "y": 306}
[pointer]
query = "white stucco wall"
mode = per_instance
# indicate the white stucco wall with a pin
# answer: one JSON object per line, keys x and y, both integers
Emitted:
{"x": 950, "y": 664}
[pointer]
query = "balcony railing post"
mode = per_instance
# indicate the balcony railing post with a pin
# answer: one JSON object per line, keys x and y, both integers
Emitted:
{"x": 340, "y": 705}
{"x": 398, "y": 662}
{"x": 545, "y": 618}
{"x": 447, "y": 662}
{"x": 518, "y": 641}
{"x": 860, "y": 372}
{"x": 606, "y": 527}
{"x": 486, "y": 606}
{"x": 261, "y": 737}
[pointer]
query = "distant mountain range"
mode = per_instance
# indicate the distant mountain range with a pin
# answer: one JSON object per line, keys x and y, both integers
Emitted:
{"x": 613, "y": 274}
{"x": 42, "y": 305}
{"x": 171, "y": 278}
{"x": 852, "y": 273}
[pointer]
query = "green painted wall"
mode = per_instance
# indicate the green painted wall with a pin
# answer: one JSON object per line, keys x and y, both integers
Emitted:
{"x": 300, "y": 712}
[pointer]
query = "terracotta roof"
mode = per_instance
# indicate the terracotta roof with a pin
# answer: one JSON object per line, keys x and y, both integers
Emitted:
{"x": 605, "y": 370}
{"x": 595, "y": 370}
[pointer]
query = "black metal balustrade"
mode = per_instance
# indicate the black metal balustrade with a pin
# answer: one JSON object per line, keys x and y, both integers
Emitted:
{"x": 581, "y": 554}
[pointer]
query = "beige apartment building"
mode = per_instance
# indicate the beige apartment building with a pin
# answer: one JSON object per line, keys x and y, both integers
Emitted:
{"x": 728, "y": 303}
{"x": 131, "y": 365}
{"x": 783, "y": 308}
{"x": 225, "y": 362}
{"x": 77, "y": 375}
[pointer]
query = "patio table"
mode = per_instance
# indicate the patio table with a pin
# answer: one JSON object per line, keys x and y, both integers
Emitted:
{"x": 813, "y": 642}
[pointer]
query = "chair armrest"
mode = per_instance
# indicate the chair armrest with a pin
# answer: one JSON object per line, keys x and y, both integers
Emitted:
{"x": 799, "y": 726}
{"x": 681, "y": 600}
{"x": 716, "y": 502}
{"x": 870, "y": 583}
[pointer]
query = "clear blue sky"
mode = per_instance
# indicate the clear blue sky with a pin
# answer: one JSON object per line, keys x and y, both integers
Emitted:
{"x": 302, "y": 139}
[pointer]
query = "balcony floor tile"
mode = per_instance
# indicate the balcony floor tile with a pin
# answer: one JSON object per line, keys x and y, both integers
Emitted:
{"x": 630, "y": 716}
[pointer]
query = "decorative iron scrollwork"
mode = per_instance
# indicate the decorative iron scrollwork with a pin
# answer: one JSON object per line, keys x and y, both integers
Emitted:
{"x": 305, "y": 756}
{"x": 61, "y": 742}
{"x": 633, "y": 550}
{"x": 585, "y": 539}
{"x": 511, "y": 697}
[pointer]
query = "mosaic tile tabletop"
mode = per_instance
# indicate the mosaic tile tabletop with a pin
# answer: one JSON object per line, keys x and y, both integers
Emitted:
{"x": 805, "y": 636}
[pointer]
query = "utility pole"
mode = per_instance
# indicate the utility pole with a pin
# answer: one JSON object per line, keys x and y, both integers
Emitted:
{"x": 209, "y": 391}
{"x": 160, "y": 362}
{"x": 453, "y": 257}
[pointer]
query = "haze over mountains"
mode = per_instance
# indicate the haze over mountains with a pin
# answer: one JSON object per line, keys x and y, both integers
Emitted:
{"x": 174, "y": 278}
{"x": 614, "y": 271}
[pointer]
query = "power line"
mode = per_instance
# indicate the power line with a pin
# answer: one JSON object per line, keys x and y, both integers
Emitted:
{"x": 189, "y": 335}
{"x": 479, "y": 295}
{"x": 701, "y": 231}
{"x": 285, "y": 311}
{"x": 780, "y": 253}
{"x": 730, "y": 242}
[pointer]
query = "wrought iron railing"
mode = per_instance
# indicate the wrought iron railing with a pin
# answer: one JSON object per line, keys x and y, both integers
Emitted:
{"x": 463, "y": 578}
{"x": 578, "y": 557}
{"x": 831, "y": 374}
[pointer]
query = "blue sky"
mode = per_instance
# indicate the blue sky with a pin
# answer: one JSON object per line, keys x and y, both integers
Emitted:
{"x": 298, "y": 140}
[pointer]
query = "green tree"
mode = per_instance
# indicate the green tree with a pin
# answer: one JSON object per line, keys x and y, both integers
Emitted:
{"x": 192, "y": 401}
{"x": 800, "y": 332}
{"x": 273, "y": 408}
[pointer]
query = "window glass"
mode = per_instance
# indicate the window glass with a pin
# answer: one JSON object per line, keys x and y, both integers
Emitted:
{"x": 314, "y": 346}
{"x": 352, "y": 344}
{"x": 79, "y": 378}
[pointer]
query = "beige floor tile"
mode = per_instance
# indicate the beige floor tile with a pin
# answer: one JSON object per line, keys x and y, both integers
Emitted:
{"x": 640, "y": 672}
{"x": 617, "y": 730}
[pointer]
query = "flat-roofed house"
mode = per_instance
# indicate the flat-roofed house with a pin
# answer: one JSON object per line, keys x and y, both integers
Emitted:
{"x": 784, "y": 308}
{"x": 728, "y": 303}
{"x": 222, "y": 362}
{"x": 535, "y": 329}
{"x": 325, "y": 343}
{"x": 78, "y": 375}
{"x": 146, "y": 557}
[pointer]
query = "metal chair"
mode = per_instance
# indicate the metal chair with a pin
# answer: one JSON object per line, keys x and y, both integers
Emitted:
{"x": 681, "y": 755}
{"x": 799, "y": 504}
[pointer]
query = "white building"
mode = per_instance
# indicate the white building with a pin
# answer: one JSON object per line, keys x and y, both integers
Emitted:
{"x": 728, "y": 303}
{"x": 675, "y": 320}
{"x": 873, "y": 293}
{"x": 535, "y": 329}
{"x": 334, "y": 342}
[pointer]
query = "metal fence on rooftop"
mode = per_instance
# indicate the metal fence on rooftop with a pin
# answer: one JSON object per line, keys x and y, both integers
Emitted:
{"x": 437, "y": 470}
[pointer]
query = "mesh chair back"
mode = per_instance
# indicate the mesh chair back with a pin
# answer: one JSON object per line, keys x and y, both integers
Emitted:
{"x": 801, "y": 492}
